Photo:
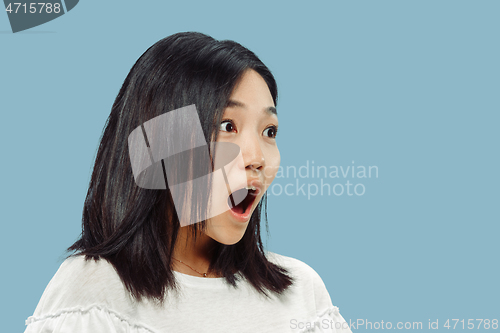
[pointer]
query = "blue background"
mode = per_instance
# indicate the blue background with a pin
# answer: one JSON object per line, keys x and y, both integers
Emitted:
{"x": 411, "y": 87}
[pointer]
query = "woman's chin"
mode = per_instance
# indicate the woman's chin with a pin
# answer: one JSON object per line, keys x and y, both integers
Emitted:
{"x": 226, "y": 234}
{"x": 227, "y": 237}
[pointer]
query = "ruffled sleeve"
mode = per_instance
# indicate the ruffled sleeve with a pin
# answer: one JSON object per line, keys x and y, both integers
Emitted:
{"x": 95, "y": 319}
{"x": 328, "y": 318}
{"x": 328, "y": 321}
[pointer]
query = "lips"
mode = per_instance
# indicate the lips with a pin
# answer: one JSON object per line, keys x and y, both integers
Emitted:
{"x": 241, "y": 201}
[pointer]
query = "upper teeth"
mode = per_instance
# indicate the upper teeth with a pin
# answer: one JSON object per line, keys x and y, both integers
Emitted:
{"x": 251, "y": 187}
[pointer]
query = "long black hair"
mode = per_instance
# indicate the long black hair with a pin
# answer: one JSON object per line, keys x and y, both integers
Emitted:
{"x": 135, "y": 229}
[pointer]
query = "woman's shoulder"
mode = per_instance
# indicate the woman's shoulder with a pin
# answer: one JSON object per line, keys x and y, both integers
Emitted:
{"x": 296, "y": 267}
{"x": 285, "y": 260}
{"x": 306, "y": 278}
{"x": 80, "y": 284}
{"x": 312, "y": 290}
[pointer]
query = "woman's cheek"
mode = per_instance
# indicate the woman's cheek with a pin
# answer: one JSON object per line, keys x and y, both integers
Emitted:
{"x": 272, "y": 166}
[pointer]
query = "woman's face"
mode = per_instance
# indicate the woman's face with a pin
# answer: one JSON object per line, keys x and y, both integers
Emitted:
{"x": 250, "y": 121}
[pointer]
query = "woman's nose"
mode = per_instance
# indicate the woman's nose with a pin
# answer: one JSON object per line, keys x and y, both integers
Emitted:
{"x": 253, "y": 155}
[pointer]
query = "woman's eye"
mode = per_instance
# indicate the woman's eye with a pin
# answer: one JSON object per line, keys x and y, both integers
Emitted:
{"x": 226, "y": 126}
{"x": 271, "y": 131}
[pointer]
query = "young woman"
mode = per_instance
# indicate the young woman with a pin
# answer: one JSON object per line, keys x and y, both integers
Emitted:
{"x": 142, "y": 263}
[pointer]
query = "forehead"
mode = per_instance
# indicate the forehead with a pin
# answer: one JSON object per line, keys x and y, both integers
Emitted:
{"x": 252, "y": 91}
{"x": 270, "y": 110}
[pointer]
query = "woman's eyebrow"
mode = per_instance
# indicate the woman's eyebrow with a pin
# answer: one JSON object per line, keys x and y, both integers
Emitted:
{"x": 232, "y": 103}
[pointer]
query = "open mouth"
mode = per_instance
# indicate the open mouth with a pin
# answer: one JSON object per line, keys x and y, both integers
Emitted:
{"x": 241, "y": 200}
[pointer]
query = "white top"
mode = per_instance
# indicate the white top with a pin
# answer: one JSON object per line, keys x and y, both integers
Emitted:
{"x": 89, "y": 297}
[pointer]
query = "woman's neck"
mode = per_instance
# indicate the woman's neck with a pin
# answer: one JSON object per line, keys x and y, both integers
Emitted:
{"x": 195, "y": 255}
